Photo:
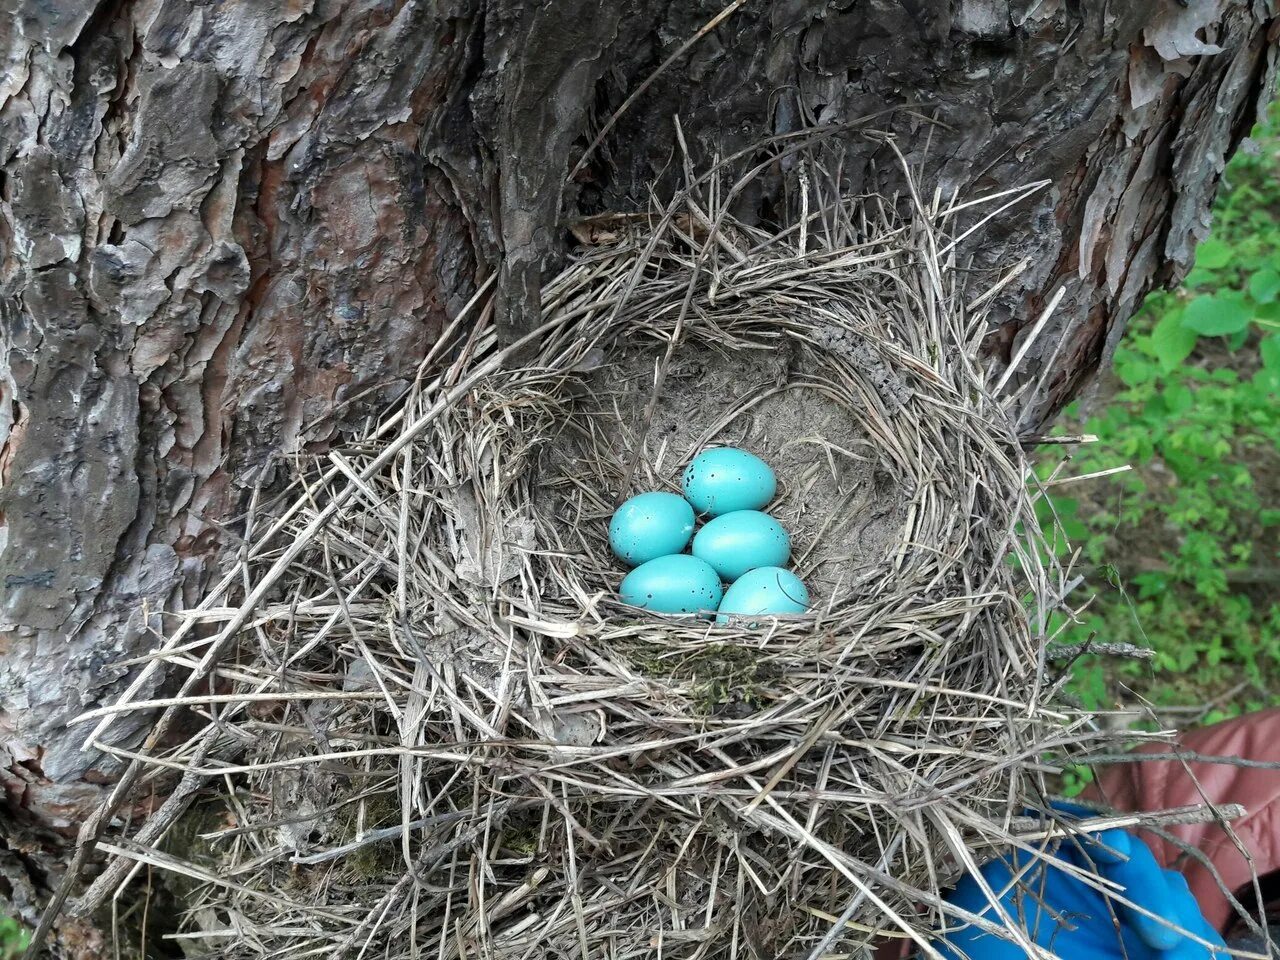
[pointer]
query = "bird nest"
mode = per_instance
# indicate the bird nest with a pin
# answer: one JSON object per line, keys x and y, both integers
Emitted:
{"x": 431, "y": 728}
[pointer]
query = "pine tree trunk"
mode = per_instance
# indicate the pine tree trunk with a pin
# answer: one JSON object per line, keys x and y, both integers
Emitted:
{"x": 230, "y": 228}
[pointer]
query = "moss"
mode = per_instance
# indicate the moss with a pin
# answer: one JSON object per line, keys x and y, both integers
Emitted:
{"x": 373, "y": 859}
{"x": 725, "y": 674}
{"x": 139, "y": 925}
{"x": 524, "y": 839}
{"x": 718, "y": 675}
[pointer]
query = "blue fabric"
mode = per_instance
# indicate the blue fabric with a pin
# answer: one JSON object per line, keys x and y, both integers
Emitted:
{"x": 1066, "y": 916}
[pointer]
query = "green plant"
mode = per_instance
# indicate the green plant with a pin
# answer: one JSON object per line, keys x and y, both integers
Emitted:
{"x": 1183, "y": 550}
{"x": 13, "y": 938}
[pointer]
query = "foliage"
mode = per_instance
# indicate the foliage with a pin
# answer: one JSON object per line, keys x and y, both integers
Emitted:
{"x": 13, "y": 938}
{"x": 1182, "y": 549}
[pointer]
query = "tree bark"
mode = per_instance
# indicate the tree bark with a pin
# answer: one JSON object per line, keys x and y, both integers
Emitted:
{"x": 232, "y": 227}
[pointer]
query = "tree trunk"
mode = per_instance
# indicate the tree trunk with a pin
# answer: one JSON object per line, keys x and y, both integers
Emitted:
{"x": 232, "y": 227}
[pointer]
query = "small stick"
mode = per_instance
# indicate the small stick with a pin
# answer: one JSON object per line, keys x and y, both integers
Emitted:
{"x": 1070, "y": 651}
{"x": 1187, "y": 755}
{"x": 1173, "y": 817}
{"x": 1086, "y": 476}
{"x": 1066, "y": 439}
{"x": 1029, "y": 339}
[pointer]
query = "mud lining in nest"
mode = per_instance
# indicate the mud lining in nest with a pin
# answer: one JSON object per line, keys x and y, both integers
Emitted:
{"x": 436, "y": 731}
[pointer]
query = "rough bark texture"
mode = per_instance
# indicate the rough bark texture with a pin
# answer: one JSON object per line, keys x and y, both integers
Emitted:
{"x": 230, "y": 226}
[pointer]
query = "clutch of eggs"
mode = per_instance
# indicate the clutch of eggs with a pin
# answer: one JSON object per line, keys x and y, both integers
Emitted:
{"x": 739, "y": 543}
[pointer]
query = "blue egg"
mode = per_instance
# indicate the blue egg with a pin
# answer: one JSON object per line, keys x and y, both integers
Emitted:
{"x": 727, "y": 479}
{"x": 764, "y": 590}
{"x": 675, "y": 584}
{"x": 740, "y": 541}
{"x": 650, "y": 525}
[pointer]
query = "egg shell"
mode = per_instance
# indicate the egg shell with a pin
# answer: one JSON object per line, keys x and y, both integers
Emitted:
{"x": 674, "y": 584}
{"x": 649, "y": 526}
{"x": 764, "y": 590}
{"x": 727, "y": 479}
{"x": 740, "y": 541}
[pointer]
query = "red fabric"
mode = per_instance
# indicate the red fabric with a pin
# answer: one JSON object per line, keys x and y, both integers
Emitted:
{"x": 1163, "y": 784}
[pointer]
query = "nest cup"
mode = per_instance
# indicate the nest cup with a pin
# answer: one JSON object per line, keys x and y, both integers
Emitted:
{"x": 445, "y": 736}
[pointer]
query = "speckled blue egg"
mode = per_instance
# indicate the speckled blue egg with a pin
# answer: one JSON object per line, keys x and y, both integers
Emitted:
{"x": 764, "y": 590}
{"x": 727, "y": 479}
{"x": 649, "y": 526}
{"x": 674, "y": 584}
{"x": 740, "y": 541}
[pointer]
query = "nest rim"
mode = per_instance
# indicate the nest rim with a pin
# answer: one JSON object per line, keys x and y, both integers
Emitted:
{"x": 456, "y": 427}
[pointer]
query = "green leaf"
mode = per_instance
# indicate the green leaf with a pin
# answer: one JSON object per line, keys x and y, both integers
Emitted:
{"x": 1264, "y": 286}
{"x": 1270, "y": 350}
{"x": 1172, "y": 341}
{"x": 1215, "y": 316}
{"x": 1213, "y": 254}
{"x": 1177, "y": 398}
{"x": 1198, "y": 278}
{"x": 1134, "y": 372}
{"x": 1268, "y": 378}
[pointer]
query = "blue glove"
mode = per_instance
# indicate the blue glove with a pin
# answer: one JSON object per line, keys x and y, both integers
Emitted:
{"x": 1066, "y": 916}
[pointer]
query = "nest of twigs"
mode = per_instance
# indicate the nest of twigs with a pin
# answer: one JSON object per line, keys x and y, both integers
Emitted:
{"x": 434, "y": 731}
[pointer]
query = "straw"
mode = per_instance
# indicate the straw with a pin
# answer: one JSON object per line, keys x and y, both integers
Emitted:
{"x": 431, "y": 730}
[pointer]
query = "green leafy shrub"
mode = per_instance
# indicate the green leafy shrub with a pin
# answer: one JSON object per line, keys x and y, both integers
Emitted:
{"x": 1183, "y": 550}
{"x": 13, "y": 938}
